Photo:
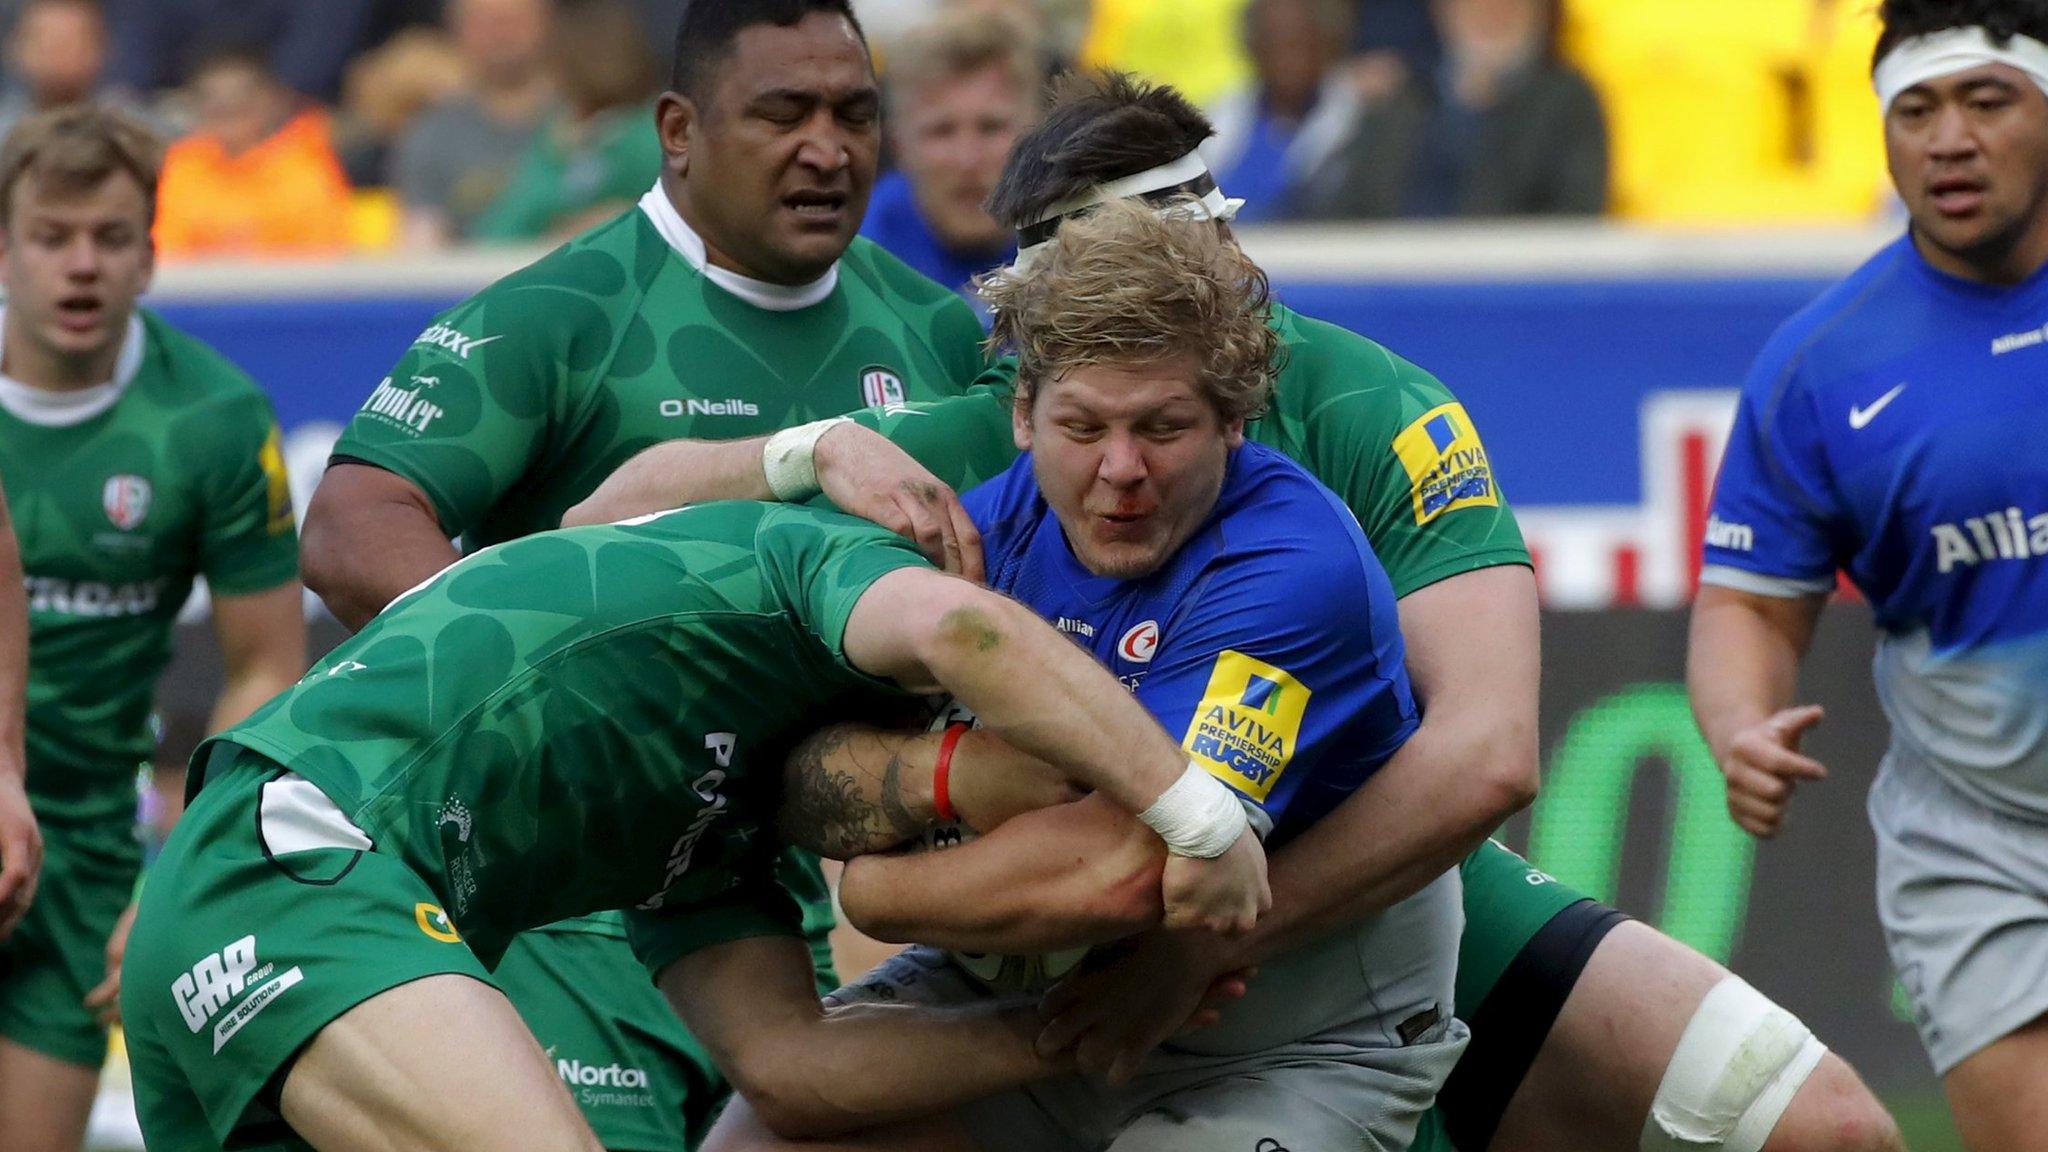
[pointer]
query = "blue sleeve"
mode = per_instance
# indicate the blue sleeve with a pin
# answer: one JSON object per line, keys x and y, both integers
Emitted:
{"x": 1769, "y": 529}
{"x": 1282, "y": 671}
{"x": 1004, "y": 509}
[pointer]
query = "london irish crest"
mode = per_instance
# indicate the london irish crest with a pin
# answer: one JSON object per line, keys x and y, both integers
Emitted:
{"x": 126, "y": 499}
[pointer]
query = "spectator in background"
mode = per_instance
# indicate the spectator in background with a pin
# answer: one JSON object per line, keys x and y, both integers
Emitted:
{"x": 1503, "y": 127}
{"x": 307, "y": 43}
{"x": 1279, "y": 134}
{"x": 387, "y": 89}
{"x": 961, "y": 89}
{"x": 598, "y": 153}
{"x": 55, "y": 55}
{"x": 258, "y": 176}
{"x": 458, "y": 156}
{"x": 1400, "y": 29}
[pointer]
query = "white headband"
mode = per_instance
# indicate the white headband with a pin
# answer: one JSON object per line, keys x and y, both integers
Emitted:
{"x": 1953, "y": 50}
{"x": 1186, "y": 175}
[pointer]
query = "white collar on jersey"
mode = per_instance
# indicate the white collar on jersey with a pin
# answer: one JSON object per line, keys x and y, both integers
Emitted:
{"x": 759, "y": 293}
{"x": 62, "y": 409}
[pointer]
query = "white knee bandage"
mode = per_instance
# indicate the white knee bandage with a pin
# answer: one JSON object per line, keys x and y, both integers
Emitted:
{"x": 1734, "y": 1072}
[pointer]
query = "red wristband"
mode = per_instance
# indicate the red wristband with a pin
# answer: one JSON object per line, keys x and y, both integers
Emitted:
{"x": 942, "y": 769}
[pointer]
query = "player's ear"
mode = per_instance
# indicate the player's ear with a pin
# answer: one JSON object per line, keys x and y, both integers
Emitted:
{"x": 675, "y": 116}
{"x": 1020, "y": 416}
{"x": 1233, "y": 431}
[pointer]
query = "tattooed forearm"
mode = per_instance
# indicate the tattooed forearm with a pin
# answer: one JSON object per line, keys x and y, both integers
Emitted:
{"x": 844, "y": 793}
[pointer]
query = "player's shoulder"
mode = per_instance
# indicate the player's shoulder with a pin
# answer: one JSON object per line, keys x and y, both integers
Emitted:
{"x": 187, "y": 371}
{"x": 1839, "y": 333}
{"x": 1333, "y": 371}
{"x": 933, "y": 310}
{"x": 590, "y": 280}
{"x": 890, "y": 278}
{"x": 1006, "y": 509}
{"x": 1274, "y": 515}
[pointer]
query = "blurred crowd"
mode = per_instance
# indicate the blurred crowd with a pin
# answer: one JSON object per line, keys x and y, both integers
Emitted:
{"x": 312, "y": 128}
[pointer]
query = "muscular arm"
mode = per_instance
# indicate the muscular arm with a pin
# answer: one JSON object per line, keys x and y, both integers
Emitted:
{"x": 1046, "y": 697}
{"x": 262, "y": 640}
{"x": 21, "y": 842}
{"x": 1029, "y": 685}
{"x": 860, "y": 471}
{"x": 810, "y": 1073}
{"x": 1742, "y": 658}
{"x": 852, "y": 789}
{"x": 1062, "y": 877}
{"x": 1742, "y": 670}
{"x": 13, "y": 651}
{"x": 1473, "y": 658}
{"x": 675, "y": 473}
{"x": 369, "y": 536}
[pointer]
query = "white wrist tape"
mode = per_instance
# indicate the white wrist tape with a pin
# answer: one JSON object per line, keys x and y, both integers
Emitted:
{"x": 789, "y": 460}
{"x": 1198, "y": 816}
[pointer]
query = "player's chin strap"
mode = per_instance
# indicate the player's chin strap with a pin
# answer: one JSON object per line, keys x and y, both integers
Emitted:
{"x": 1185, "y": 179}
{"x": 1733, "y": 1074}
{"x": 1953, "y": 50}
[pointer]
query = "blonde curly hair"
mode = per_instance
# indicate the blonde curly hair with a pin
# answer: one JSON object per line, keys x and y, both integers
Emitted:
{"x": 1129, "y": 284}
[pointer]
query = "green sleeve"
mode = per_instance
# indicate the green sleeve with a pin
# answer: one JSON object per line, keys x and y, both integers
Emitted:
{"x": 963, "y": 439}
{"x": 758, "y": 907}
{"x": 247, "y": 541}
{"x": 958, "y": 335}
{"x": 466, "y": 411}
{"x": 823, "y": 563}
{"x": 1399, "y": 449}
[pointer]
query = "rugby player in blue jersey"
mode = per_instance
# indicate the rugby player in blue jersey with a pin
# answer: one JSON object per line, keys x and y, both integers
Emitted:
{"x": 1897, "y": 430}
{"x": 1238, "y": 600}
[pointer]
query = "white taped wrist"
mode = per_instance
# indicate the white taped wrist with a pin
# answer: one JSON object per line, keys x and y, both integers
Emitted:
{"x": 1199, "y": 816}
{"x": 789, "y": 460}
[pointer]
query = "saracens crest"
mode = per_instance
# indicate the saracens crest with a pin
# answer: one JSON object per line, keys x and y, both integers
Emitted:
{"x": 126, "y": 500}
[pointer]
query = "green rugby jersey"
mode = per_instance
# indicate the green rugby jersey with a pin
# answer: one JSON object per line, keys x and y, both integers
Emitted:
{"x": 1382, "y": 433}
{"x": 118, "y": 508}
{"x": 518, "y": 402}
{"x": 596, "y": 717}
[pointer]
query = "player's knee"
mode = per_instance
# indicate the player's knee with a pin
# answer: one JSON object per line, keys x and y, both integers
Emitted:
{"x": 1734, "y": 1075}
{"x": 1834, "y": 1112}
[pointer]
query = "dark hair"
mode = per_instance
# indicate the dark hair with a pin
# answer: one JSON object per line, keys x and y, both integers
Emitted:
{"x": 704, "y": 36}
{"x": 2003, "y": 19}
{"x": 72, "y": 150}
{"x": 1099, "y": 127}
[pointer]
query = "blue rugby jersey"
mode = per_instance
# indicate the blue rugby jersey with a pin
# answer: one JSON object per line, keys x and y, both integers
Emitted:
{"x": 1897, "y": 429}
{"x": 1269, "y": 642}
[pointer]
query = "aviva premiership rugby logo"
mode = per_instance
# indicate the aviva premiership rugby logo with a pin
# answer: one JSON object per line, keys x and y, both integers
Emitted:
{"x": 1446, "y": 463}
{"x": 881, "y": 388}
{"x": 126, "y": 499}
{"x": 1245, "y": 729}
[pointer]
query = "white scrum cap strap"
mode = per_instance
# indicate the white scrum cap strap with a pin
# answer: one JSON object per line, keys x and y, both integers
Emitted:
{"x": 1953, "y": 50}
{"x": 1185, "y": 176}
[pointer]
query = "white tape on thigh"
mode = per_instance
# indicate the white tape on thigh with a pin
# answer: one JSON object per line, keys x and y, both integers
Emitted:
{"x": 1736, "y": 1069}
